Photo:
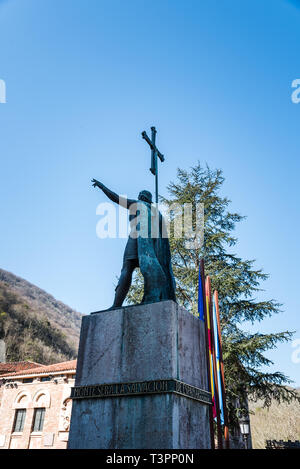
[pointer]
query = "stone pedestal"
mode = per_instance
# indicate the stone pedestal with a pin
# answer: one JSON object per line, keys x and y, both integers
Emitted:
{"x": 141, "y": 380}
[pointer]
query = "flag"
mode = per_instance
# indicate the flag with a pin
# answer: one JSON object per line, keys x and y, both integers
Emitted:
{"x": 210, "y": 345}
{"x": 200, "y": 297}
{"x": 202, "y": 316}
{"x": 217, "y": 349}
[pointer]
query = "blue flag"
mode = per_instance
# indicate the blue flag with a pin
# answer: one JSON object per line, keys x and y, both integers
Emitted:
{"x": 200, "y": 297}
{"x": 217, "y": 348}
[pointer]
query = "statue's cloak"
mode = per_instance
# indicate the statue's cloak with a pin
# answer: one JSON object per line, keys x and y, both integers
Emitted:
{"x": 154, "y": 256}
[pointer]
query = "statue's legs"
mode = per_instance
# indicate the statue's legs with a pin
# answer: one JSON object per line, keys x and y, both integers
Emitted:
{"x": 124, "y": 282}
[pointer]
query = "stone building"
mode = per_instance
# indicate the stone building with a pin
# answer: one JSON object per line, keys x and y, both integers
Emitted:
{"x": 35, "y": 404}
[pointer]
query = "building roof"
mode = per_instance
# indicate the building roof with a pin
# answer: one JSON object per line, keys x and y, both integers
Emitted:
{"x": 42, "y": 369}
{"x": 17, "y": 366}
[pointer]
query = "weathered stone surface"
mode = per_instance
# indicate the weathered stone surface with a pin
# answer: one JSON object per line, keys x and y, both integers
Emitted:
{"x": 141, "y": 343}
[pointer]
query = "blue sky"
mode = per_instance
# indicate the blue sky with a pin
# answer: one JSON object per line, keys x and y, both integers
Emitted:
{"x": 85, "y": 77}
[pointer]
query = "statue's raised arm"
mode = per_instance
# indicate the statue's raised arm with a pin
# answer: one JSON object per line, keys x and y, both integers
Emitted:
{"x": 123, "y": 201}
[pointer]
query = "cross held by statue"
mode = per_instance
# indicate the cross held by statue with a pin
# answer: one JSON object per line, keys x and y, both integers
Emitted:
{"x": 154, "y": 154}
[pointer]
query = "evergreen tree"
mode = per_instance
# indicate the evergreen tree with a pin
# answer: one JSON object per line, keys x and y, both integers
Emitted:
{"x": 237, "y": 282}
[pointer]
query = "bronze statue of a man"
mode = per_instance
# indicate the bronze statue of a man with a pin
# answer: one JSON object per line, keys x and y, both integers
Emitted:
{"x": 147, "y": 247}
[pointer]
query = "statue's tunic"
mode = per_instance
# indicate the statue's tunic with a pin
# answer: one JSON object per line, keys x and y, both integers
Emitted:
{"x": 131, "y": 249}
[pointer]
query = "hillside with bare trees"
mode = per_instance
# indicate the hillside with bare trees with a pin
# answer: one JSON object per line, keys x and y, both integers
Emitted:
{"x": 34, "y": 325}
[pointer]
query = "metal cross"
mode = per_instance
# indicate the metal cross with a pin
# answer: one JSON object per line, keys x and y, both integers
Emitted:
{"x": 154, "y": 154}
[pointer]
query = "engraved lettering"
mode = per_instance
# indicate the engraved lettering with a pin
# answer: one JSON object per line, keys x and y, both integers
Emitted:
{"x": 157, "y": 386}
{"x": 139, "y": 387}
{"x": 130, "y": 388}
{"x": 143, "y": 387}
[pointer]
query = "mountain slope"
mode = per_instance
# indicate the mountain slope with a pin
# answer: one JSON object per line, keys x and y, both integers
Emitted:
{"x": 34, "y": 325}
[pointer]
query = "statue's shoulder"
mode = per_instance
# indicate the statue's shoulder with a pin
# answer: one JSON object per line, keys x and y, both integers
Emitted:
{"x": 131, "y": 202}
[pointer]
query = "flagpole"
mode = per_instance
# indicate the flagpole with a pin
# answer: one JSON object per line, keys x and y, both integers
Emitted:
{"x": 211, "y": 420}
{"x": 226, "y": 423}
{"x": 219, "y": 432}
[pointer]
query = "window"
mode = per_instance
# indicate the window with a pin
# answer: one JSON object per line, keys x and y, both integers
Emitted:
{"x": 38, "y": 419}
{"x": 45, "y": 378}
{"x": 19, "y": 420}
{"x": 27, "y": 380}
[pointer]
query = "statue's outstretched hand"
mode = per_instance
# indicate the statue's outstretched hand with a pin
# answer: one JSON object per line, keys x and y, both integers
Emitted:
{"x": 97, "y": 183}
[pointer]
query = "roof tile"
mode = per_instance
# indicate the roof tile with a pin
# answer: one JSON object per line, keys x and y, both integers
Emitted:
{"x": 43, "y": 369}
{"x": 17, "y": 366}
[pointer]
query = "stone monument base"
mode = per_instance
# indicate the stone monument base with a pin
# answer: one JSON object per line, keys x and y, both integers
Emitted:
{"x": 141, "y": 380}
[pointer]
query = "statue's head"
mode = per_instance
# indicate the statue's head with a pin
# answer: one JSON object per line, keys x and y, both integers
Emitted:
{"x": 146, "y": 196}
